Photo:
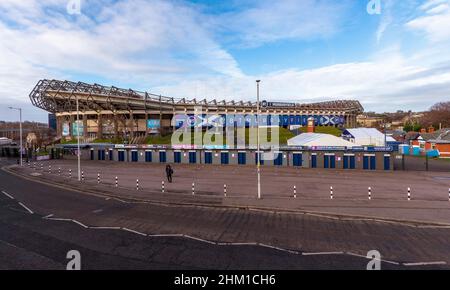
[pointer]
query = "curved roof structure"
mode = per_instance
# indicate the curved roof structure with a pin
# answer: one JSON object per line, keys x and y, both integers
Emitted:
{"x": 58, "y": 96}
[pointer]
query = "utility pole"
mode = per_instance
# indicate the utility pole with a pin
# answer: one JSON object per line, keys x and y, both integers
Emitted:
{"x": 258, "y": 164}
{"x": 78, "y": 140}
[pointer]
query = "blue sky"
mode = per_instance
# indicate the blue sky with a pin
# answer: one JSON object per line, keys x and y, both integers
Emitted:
{"x": 302, "y": 50}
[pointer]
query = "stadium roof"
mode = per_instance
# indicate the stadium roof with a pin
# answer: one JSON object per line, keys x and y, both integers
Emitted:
{"x": 60, "y": 96}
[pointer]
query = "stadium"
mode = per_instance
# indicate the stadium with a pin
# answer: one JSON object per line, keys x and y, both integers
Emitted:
{"x": 111, "y": 112}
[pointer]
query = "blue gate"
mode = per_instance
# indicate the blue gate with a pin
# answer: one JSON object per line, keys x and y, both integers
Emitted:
{"x": 297, "y": 159}
{"x": 366, "y": 162}
{"x": 121, "y": 154}
{"x": 134, "y": 156}
{"x": 313, "y": 161}
{"x": 162, "y": 157}
{"x": 177, "y": 157}
{"x": 278, "y": 160}
{"x": 387, "y": 163}
{"x": 242, "y": 158}
{"x": 224, "y": 158}
{"x": 261, "y": 157}
{"x": 208, "y": 157}
{"x": 192, "y": 157}
{"x": 148, "y": 156}
{"x": 373, "y": 163}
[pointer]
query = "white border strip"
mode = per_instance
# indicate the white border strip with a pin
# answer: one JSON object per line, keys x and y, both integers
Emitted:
{"x": 25, "y": 207}
{"x": 8, "y": 195}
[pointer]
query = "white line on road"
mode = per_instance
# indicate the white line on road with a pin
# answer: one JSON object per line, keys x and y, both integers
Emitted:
{"x": 48, "y": 216}
{"x": 79, "y": 223}
{"x": 104, "y": 228}
{"x": 133, "y": 231}
{"x": 8, "y": 195}
{"x": 425, "y": 263}
{"x": 382, "y": 260}
{"x": 24, "y": 206}
{"x": 279, "y": 249}
{"x": 322, "y": 253}
{"x": 198, "y": 239}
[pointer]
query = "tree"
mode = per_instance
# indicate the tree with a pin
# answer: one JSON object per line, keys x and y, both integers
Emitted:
{"x": 439, "y": 114}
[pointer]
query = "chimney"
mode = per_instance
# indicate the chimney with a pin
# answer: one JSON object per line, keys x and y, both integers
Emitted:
{"x": 310, "y": 128}
{"x": 431, "y": 129}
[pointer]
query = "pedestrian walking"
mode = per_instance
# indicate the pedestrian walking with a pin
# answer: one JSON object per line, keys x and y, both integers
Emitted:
{"x": 169, "y": 172}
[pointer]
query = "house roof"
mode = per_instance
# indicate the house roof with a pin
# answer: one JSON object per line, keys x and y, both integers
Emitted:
{"x": 443, "y": 134}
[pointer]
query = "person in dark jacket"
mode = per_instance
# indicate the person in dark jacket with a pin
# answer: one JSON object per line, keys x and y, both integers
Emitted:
{"x": 169, "y": 172}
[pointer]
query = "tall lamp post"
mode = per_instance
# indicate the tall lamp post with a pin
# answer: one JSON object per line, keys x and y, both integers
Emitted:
{"x": 21, "y": 143}
{"x": 78, "y": 140}
{"x": 258, "y": 154}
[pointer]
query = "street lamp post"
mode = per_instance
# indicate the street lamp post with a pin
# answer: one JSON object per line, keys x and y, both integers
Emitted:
{"x": 20, "y": 132}
{"x": 78, "y": 140}
{"x": 258, "y": 154}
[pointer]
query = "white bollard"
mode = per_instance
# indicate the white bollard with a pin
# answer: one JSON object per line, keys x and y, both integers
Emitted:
{"x": 225, "y": 190}
{"x": 117, "y": 182}
{"x": 331, "y": 192}
{"x": 59, "y": 171}
{"x": 409, "y": 193}
{"x": 137, "y": 184}
{"x": 162, "y": 186}
{"x": 449, "y": 194}
{"x": 193, "y": 188}
{"x": 370, "y": 193}
{"x": 70, "y": 173}
{"x": 295, "y": 191}
{"x": 98, "y": 178}
{"x": 49, "y": 169}
{"x": 42, "y": 167}
{"x": 82, "y": 175}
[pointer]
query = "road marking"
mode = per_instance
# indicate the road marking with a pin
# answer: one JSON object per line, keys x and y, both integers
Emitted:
{"x": 81, "y": 224}
{"x": 48, "y": 216}
{"x": 425, "y": 263}
{"x": 279, "y": 249}
{"x": 105, "y": 228}
{"x": 24, "y": 206}
{"x": 382, "y": 260}
{"x": 8, "y": 195}
{"x": 198, "y": 239}
{"x": 322, "y": 253}
{"x": 133, "y": 231}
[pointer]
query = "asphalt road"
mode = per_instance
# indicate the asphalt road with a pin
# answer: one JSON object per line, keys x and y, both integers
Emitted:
{"x": 30, "y": 241}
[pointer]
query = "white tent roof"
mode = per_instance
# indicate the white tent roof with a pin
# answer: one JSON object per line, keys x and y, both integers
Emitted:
{"x": 317, "y": 139}
{"x": 365, "y": 133}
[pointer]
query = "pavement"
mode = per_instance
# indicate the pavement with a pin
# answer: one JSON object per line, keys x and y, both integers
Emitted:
{"x": 429, "y": 202}
{"x": 39, "y": 223}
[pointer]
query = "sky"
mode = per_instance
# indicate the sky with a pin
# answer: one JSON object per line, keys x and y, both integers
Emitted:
{"x": 392, "y": 56}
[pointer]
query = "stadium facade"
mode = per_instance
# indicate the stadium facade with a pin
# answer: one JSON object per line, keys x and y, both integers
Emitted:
{"x": 110, "y": 112}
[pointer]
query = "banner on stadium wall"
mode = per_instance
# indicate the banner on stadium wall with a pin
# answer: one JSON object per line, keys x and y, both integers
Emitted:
{"x": 77, "y": 128}
{"x": 65, "y": 129}
{"x": 248, "y": 120}
{"x": 153, "y": 126}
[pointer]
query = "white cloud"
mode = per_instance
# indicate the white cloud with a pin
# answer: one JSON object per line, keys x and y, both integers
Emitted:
{"x": 267, "y": 21}
{"x": 435, "y": 22}
{"x": 387, "y": 82}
